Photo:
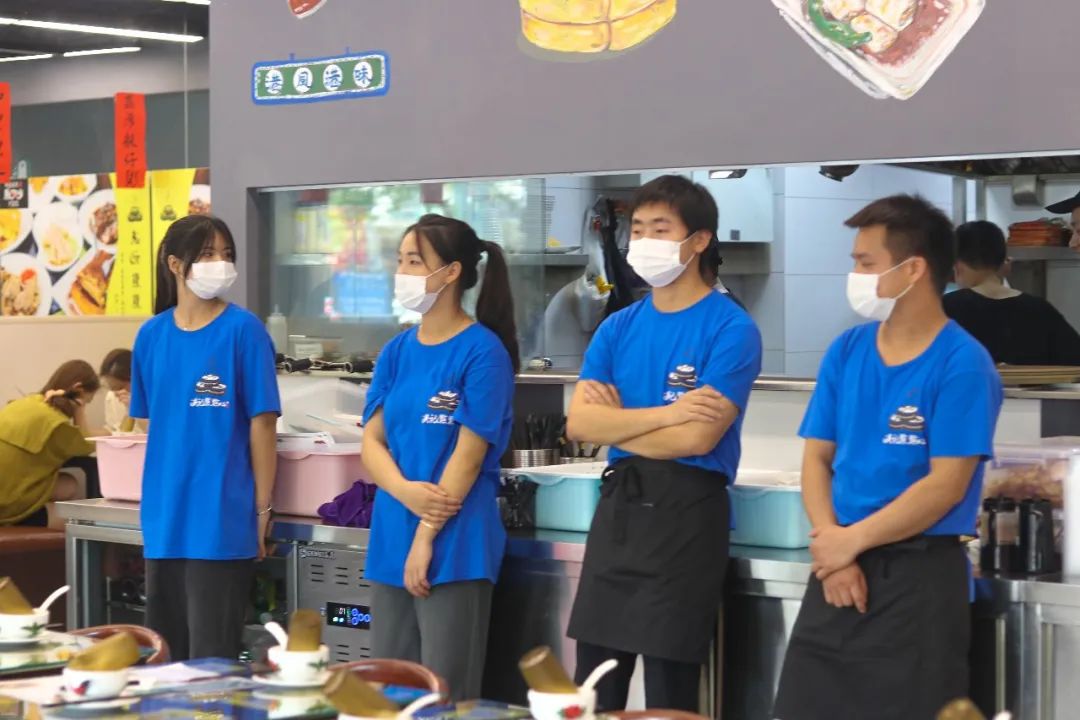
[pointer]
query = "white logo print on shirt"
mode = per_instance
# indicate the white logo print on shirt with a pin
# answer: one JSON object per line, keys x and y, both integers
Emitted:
{"x": 212, "y": 386}
{"x": 907, "y": 420}
{"x": 679, "y": 381}
{"x": 445, "y": 404}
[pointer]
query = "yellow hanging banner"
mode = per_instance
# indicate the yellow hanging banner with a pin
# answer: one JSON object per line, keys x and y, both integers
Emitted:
{"x": 171, "y": 197}
{"x": 132, "y": 280}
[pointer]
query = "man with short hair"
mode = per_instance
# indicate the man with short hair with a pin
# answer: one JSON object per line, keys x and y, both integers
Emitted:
{"x": 1016, "y": 328}
{"x": 665, "y": 384}
{"x": 897, "y": 430}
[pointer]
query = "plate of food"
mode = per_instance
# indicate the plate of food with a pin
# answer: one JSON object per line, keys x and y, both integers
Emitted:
{"x": 98, "y": 220}
{"x": 42, "y": 191}
{"x": 59, "y": 240}
{"x": 83, "y": 289}
{"x": 199, "y": 204}
{"x": 25, "y": 286}
{"x": 75, "y": 188}
{"x": 887, "y": 48}
{"x": 14, "y": 228}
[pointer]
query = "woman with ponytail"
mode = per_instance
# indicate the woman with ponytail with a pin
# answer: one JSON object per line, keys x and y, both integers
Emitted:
{"x": 437, "y": 421}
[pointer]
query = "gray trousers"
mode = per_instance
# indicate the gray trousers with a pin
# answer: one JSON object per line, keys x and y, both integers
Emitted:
{"x": 446, "y": 632}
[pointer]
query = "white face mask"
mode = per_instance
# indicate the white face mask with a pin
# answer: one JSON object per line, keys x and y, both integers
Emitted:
{"x": 862, "y": 293}
{"x": 411, "y": 291}
{"x": 211, "y": 280}
{"x": 657, "y": 261}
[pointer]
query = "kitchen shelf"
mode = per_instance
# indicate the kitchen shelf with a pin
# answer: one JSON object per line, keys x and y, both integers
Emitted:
{"x": 1042, "y": 254}
{"x": 548, "y": 259}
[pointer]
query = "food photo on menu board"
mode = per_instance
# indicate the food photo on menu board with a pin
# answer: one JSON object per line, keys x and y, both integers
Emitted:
{"x": 57, "y": 254}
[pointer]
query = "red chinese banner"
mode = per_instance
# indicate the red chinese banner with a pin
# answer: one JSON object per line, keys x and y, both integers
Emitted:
{"x": 130, "y": 118}
{"x": 5, "y": 132}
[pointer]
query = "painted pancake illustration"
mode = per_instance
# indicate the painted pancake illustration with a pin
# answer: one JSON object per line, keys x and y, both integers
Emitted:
{"x": 685, "y": 376}
{"x": 907, "y": 418}
{"x": 593, "y": 26}
{"x": 888, "y": 48}
{"x": 210, "y": 385}
{"x": 445, "y": 401}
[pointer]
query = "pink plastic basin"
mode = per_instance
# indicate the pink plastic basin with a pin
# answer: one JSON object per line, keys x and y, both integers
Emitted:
{"x": 308, "y": 478}
{"x": 120, "y": 466}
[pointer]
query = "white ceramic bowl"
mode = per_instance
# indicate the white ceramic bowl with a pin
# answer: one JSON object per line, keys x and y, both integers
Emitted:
{"x": 299, "y": 667}
{"x": 23, "y": 627}
{"x": 555, "y": 706}
{"x": 95, "y": 684}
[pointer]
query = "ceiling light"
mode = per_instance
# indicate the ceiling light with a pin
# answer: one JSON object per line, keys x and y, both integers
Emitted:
{"x": 191, "y": 2}
{"x": 103, "y": 51}
{"x": 98, "y": 30}
{"x": 17, "y": 58}
{"x": 727, "y": 174}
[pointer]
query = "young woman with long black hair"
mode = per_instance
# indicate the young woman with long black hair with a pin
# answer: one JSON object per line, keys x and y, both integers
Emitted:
{"x": 203, "y": 374}
{"x": 437, "y": 420}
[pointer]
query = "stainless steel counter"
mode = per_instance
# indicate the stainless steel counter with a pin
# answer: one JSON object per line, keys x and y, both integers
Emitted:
{"x": 1026, "y": 632}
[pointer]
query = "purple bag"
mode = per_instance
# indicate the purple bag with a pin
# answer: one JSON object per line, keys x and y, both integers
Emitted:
{"x": 351, "y": 508}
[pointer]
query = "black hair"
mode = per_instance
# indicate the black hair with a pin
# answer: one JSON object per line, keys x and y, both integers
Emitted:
{"x": 981, "y": 245}
{"x": 695, "y": 206}
{"x": 75, "y": 378}
{"x": 117, "y": 365}
{"x": 913, "y": 228}
{"x": 456, "y": 241}
{"x": 186, "y": 239}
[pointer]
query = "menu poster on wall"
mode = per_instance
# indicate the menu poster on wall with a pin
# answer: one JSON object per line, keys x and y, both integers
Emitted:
{"x": 61, "y": 254}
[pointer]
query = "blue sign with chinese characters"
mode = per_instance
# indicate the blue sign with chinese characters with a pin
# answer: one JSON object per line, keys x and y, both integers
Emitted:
{"x": 283, "y": 82}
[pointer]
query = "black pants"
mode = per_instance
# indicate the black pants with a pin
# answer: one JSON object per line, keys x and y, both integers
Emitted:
{"x": 38, "y": 519}
{"x": 669, "y": 684}
{"x": 198, "y": 606}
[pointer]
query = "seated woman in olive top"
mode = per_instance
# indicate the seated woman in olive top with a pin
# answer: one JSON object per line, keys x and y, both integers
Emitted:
{"x": 38, "y": 434}
{"x": 1017, "y": 328}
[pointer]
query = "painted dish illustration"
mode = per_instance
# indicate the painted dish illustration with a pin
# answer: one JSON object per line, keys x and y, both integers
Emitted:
{"x": 84, "y": 288}
{"x": 25, "y": 286}
{"x": 304, "y": 8}
{"x": 593, "y": 26}
{"x": 887, "y": 48}
{"x": 59, "y": 240}
{"x": 42, "y": 191}
{"x": 75, "y": 188}
{"x": 199, "y": 203}
{"x": 99, "y": 221}
{"x": 14, "y": 228}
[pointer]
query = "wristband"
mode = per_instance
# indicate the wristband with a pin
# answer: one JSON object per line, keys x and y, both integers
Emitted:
{"x": 265, "y": 510}
{"x": 429, "y": 526}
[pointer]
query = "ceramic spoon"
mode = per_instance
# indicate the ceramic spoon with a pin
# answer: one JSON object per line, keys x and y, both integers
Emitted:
{"x": 53, "y": 598}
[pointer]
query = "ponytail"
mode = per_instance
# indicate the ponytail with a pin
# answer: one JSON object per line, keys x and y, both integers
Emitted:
{"x": 495, "y": 306}
{"x": 165, "y": 296}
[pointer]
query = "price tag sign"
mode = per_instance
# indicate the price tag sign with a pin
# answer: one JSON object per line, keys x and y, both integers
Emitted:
{"x": 14, "y": 195}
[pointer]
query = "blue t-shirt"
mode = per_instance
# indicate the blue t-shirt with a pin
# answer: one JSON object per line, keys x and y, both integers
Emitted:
{"x": 653, "y": 358}
{"x": 200, "y": 391}
{"x": 426, "y": 393}
{"x": 888, "y": 422}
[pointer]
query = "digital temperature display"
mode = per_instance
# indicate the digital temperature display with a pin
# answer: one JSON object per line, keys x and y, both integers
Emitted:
{"x": 357, "y": 617}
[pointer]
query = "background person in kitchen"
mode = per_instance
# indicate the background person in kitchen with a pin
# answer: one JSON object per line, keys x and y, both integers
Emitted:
{"x": 203, "y": 374}
{"x": 437, "y": 421}
{"x": 900, "y": 422}
{"x": 1070, "y": 207}
{"x": 665, "y": 382}
{"x": 1016, "y": 328}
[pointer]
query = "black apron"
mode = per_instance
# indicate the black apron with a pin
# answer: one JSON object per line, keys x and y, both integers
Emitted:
{"x": 905, "y": 659}
{"x": 653, "y": 574}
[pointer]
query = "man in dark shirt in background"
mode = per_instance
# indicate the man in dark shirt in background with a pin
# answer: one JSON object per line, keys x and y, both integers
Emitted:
{"x": 1017, "y": 329}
